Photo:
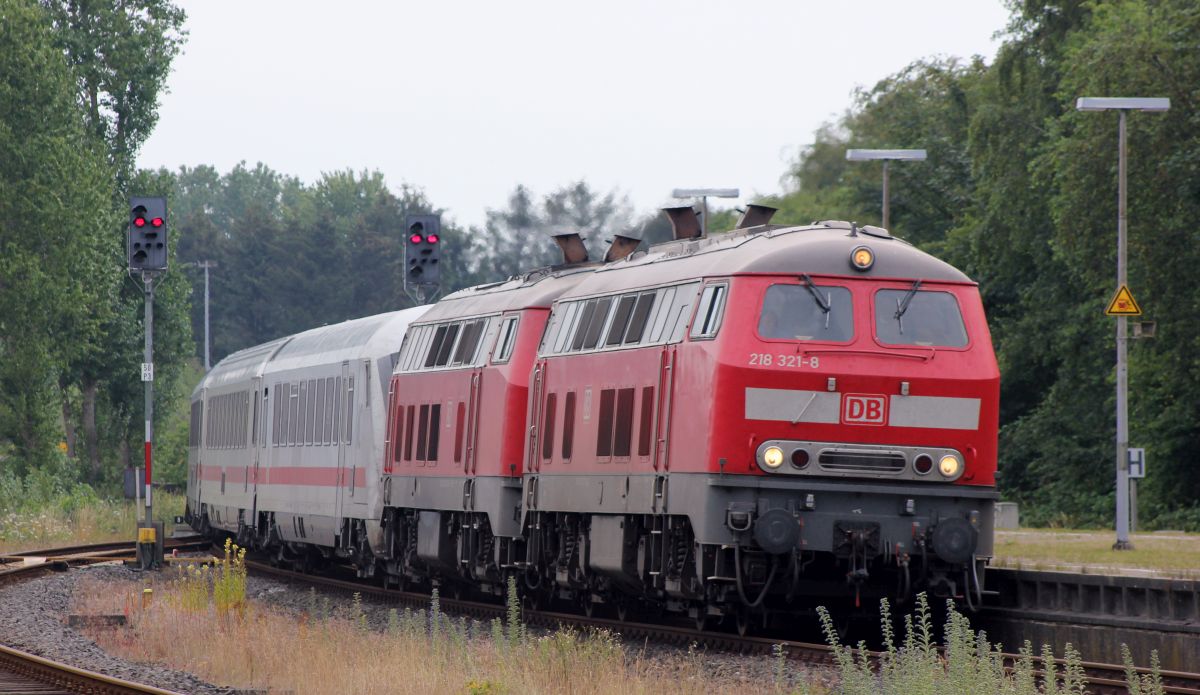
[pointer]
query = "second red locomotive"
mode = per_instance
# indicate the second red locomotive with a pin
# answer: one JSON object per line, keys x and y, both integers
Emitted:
{"x": 716, "y": 426}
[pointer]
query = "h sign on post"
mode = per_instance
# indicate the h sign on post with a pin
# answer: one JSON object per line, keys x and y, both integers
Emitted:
{"x": 1137, "y": 462}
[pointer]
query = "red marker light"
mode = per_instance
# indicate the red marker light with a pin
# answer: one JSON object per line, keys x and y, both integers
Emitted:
{"x": 433, "y": 238}
{"x": 157, "y": 222}
{"x": 416, "y": 238}
{"x": 139, "y": 222}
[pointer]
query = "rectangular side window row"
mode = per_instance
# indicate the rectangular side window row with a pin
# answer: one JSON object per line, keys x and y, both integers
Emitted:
{"x": 311, "y": 412}
{"x": 614, "y": 426}
{"x": 420, "y": 424}
{"x": 227, "y": 420}
{"x": 607, "y": 323}
{"x": 447, "y": 345}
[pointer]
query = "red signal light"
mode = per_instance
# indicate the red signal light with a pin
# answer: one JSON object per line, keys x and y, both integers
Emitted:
{"x": 417, "y": 238}
{"x": 432, "y": 238}
{"x": 139, "y": 222}
{"x": 157, "y": 222}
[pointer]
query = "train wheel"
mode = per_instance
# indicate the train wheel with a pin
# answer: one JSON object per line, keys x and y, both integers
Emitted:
{"x": 703, "y": 620}
{"x": 589, "y": 606}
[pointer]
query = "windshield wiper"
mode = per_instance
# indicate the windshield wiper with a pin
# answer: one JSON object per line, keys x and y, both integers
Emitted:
{"x": 902, "y": 304}
{"x": 812, "y": 289}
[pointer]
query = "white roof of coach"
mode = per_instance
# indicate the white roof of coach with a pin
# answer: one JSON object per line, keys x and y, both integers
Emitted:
{"x": 371, "y": 337}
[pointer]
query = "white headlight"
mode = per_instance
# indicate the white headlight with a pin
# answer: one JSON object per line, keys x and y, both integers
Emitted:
{"x": 949, "y": 465}
{"x": 773, "y": 457}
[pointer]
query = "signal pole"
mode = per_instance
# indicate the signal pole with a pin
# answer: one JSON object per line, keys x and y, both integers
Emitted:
{"x": 147, "y": 250}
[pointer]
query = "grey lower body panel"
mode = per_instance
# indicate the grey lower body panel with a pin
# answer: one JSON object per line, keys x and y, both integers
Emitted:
{"x": 903, "y": 511}
{"x": 498, "y": 497}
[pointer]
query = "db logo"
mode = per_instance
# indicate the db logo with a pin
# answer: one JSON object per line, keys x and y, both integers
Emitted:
{"x": 860, "y": 409}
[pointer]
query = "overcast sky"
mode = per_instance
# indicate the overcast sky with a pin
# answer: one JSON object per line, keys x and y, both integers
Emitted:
{"x": 468, "y": 99}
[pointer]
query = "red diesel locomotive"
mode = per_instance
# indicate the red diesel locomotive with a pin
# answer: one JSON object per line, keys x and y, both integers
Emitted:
{"x": 716, "y": 426}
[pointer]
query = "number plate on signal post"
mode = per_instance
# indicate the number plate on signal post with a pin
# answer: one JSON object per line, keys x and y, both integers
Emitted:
{"x": 147, "y": 371}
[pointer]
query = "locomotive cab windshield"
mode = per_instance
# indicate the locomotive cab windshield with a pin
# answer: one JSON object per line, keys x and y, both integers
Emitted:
{"x": 921, "y": 318}
{"x": 807, "y": 312}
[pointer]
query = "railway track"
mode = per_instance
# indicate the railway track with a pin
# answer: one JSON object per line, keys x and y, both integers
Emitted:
{"x": 1103, "y": 679}
{"x": 28, "y": 674}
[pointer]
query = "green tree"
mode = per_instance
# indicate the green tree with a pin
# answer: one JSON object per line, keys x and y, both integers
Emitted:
{"x": 54, "y": 212}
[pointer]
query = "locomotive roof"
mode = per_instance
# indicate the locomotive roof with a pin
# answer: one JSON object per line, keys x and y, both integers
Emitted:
{"x": 817, "y": 249}
{"x": 538, "y": 288}
{"x": 368, "y": 337}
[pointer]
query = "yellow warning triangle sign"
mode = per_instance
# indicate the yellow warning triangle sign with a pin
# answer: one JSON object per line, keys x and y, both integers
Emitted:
{"x": 1123, "y": 304}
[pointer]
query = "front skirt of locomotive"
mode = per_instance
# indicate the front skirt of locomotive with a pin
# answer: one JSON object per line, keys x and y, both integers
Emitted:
{"x": 927, "y": 536}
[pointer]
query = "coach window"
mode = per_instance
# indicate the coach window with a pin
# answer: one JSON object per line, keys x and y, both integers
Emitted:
{"x": 596, "y": 325}
{"x": 562, "y": 342}
{"x": 327, "y": 428}
{"x": 318, "y": 433}
{"x": 422, "y": 431}
{"x": 548, "y": 426}
{"x": 708, "y": 317}
{"x": 508, "y": 339}
{"x": 637, "y": 323}
{"x": 469, "y": 343}
{"x": 807, "y": 312}
{"x": 293, "y": 414}
{"x": 920, "y": 318}
{"x": 337, "y": 410}
{"x": 658, "y": 320}
{"x": 616, "y": 331}
{"x": 435, "y": 433}
{"x": 408, "y": 433}
{"x": 439, "y": 337}
{"x": 581, "y": 326}
{"x": 568, "y": 438}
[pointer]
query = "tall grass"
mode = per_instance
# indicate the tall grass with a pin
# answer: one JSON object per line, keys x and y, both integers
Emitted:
{"x": 965, "y": 662}
{"x": 75, "y": 518}
{"x": 340, "y": 649}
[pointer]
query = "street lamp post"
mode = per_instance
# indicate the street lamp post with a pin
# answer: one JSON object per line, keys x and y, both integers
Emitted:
{"x": 1122, "y": 105}
{"x": 205, "y": 265}
{"x": 704, "y": 194}
{"x": 886, "y": 156}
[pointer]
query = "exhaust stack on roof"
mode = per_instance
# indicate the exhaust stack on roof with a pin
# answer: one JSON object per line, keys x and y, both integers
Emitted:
{"x": 572, "y": 247}
{"x": 685, "y": 224}
{"x": 621, "y": 247}
{"x": 755, "y": 216}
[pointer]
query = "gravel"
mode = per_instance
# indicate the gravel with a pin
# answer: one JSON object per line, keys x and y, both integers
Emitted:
{"x": 33, "y": 618}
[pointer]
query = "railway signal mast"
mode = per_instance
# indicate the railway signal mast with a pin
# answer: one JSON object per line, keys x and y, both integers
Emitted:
{"x": 146, "y": 248}
{"x": 422, "y": 255}
{"x": 1122, "y": 105}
